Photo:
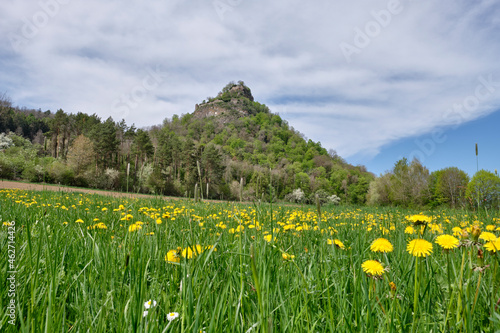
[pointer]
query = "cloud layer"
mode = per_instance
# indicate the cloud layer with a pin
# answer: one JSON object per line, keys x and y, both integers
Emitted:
{"x": 354, "y": 75}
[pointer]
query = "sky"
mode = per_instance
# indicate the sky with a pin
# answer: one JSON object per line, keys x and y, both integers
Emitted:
{"x": 374, "y": 80}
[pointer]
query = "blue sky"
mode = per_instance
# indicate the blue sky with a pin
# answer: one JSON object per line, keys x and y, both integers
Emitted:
{"x": 455, "y": 147}
{"x": 365, "y": 78}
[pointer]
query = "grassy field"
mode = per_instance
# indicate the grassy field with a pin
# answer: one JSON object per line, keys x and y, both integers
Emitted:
{"x": 80, "y": 262}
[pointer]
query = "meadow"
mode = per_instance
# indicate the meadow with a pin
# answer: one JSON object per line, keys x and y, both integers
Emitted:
{"x": 87, "y": 263}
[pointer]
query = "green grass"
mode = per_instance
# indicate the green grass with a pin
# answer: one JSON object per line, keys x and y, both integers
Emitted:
{"x": 74, "y": 279}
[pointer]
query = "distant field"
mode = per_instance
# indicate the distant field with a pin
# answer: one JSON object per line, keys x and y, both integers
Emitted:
{"x": 77, "y": 262}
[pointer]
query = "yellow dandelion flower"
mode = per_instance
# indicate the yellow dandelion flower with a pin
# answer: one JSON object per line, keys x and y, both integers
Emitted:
{"x": 447, "y": 242}
{"x": 419, "y": 219}
{"x": 134, "y": 227}
{"x": 490, "y": 227}
{"x": 457, "y": 231}
{"x": 372, "y": 267}
{"x": 493, "y": 246}
{"x": 419, "y": 248}
{"x": 173, "y": 256}
{"x": 336, "y": 242}
{"x": 79, "y": 221}
{"x": 487, "y": 236}
{"x": 287, "y": 256}
{"x": 381, "y": 245}
{"x": 192, "y": 251}
{"x": 269, "y": 238}
{"x": 104, "y": 209}
{"x": 409, "y": 230}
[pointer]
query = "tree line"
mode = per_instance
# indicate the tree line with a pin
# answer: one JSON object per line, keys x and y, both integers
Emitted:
{"x": 257, "y": 156}
{"x": 410, "y": 184}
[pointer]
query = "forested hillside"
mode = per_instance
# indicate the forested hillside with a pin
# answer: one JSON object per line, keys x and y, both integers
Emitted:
{"x": 230, "y": 147}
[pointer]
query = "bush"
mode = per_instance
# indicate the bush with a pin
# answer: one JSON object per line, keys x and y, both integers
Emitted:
{"x": 297, "y": 196}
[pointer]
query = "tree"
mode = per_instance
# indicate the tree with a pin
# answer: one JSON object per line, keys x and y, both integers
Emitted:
{"x": 212, "y": 166}
{"x": 409, "y": 183}
{"x": 450, "y": 185}
{"x": 105, "y": 142}
{"x": 142, "y": 148}
{"x": 81, "y": 154}
{"x": 484, "y": 189}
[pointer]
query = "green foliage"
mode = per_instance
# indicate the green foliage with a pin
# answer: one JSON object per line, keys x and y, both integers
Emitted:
{"x": 246, "y": 141}
{"x": 448, "y": 186}
{"x": 483, "y": 190}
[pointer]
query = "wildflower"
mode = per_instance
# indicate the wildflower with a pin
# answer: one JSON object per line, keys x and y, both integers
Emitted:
{"x": 372, "y": 267}
{"x": 173, "y": 255}
{"x": 127, "y": 217}
{"x": 6, "y": 224}
{"x": 192, "y": 251}
{"x": 490, "y": 227}
{"x": 392, "y": 285}
{"x": 409, "y": 230}
{"x": 381, "y": 245}
{"x": 287, "y": 256}
{"x": 134, "y": 227}
{"x": 99, "y": 225}
{"x": 419, "y": 219}
{"x": 268, "y": 238}
{"x": 457, "y": 231}
{"x": 487, "y": 236}
{"x": 172, "y": 316}
{"x": 493, "y": 246}
{"x": 150, "y": 304}
{"x": 419, "y": 248}
{"x": 79, "y": 221}
{"x": 145, "y": 313}
{"x": 104, "y": 209}
{"x": 447, "y": 242}
{"x": 336, "y": 242}
{"x": 475, "y": 231}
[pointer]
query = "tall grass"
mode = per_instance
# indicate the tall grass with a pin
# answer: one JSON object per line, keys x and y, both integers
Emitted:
{"x": 73, "y": 278}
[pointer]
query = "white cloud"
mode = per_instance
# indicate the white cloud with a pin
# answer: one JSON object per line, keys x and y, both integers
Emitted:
{"x": 88, "y": 56}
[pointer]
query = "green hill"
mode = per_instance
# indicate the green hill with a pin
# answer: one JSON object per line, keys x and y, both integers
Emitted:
{"x": 230, "y": 147}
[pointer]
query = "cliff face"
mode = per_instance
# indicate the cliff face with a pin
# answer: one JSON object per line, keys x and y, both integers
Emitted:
{"x": 234, "y": 101}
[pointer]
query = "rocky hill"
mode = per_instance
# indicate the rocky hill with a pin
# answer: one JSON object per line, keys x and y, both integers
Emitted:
{"x": 234, "y": 101}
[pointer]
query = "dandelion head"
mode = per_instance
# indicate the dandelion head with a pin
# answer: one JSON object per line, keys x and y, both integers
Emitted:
{"x": 381, "y": 245}
{"x": 337, "y": 243}
{"x": 287, "y": 256}
{"x": 447, "y": 242}
{"x": 372, "y": 267}
{"x": 419, "y": 219}
{"x": 409, "y": 230}
{"x": 487, "y": 236}
{"x": 475, "y": 231}
{"x": 493, "y": 246}
{"x": 173, "y": 256}
{"x": 419, "y": 248}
